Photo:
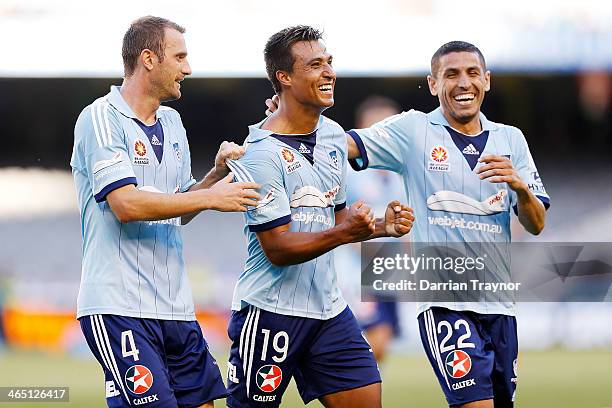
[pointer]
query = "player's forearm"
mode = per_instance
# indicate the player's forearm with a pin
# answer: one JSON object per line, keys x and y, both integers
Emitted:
{"x": 292, "y": 248}
{"x": 379, "y": 232}
{"x": 136, "y": 205}
{"x": 531, "y": 211}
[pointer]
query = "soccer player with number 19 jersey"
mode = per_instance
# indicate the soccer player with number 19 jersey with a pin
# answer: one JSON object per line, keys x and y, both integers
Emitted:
{"x": 289, "y": 318}
{"x": 463, "y": 175}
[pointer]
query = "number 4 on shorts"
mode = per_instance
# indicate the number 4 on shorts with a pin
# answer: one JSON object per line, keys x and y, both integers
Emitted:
{"x": 127, "y": 340}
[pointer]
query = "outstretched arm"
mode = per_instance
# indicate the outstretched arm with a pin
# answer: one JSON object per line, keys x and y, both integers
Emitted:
{"x": 131, "y": 204}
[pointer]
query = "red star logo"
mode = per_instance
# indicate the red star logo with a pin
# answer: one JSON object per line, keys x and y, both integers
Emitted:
{"x": 139, "y": 379}
{"x": 458, "y": 363}
{"x": 269, "y": 377}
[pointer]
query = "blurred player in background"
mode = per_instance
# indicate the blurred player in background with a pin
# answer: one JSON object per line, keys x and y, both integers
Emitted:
{"x": 378, "y": 318}
{"x": 451, "y": 159}
{"x": 132, "y": 170}
{"x": 290, "y": 319}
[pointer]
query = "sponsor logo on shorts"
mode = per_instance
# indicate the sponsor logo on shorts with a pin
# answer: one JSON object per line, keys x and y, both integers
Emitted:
{"x": 438, "y": 159}
{"x": 458, "y": 363}
{"x": 231, "y": 373}
{"x": 111, "y": 390}
{"x": 145, "y": 400}
{"x": 463, "y": 384}
{"x": 515, "y": 370}
{"x": 139, "y": 379}
{"x": 269, "y": 377}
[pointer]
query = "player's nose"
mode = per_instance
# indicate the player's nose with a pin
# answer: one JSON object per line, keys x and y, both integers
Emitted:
{"x": 464, "y": 81}
{"x": 186, "y": 69}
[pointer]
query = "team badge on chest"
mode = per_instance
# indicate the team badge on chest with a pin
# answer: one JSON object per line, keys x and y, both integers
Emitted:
{"x": 140, "y": 153}
{"x": 333, "y": 155}
{"x": 438, "y": 159}
{"x": 291, "y": 163}
{"x": 177, "y": 152}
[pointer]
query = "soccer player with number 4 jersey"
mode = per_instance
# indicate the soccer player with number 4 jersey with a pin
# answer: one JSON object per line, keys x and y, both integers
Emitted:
{"x": 289, "y": 318}
{"x": 132, "y": 170}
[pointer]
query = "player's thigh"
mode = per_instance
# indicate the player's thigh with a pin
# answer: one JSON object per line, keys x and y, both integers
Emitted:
{"x": 194, "y": 373}
{"x": 362, "y": 397}
{"x": 265, "y": 348}
{"x": 460, "y": 354}
{"x": 130, "y": 351}
{"x": 338, "y": 360}
{"x": 505, "y": 372}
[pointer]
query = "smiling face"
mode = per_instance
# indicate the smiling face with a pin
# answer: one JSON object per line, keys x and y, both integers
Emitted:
{"x": 168, "y": 74}
{"x": 460, "y": 83}
{"x": 312, "y": 79}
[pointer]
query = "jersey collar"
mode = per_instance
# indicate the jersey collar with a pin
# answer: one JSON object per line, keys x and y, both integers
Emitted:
{"x": 437, "y": 118}
{"x": 256, "y": 133}
{"x": 115, "y": 99}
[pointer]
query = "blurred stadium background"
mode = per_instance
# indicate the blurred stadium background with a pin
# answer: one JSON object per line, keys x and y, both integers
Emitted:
{"x": 551, "y": 64}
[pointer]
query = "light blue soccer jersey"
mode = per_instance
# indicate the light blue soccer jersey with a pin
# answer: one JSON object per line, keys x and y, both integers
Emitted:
{"x": 451, "y": 204}
{"x": 131, "y": 269}
{"x": 303, "y": 183}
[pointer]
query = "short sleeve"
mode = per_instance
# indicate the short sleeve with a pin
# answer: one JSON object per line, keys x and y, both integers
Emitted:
{"x": 99, "y": 139}
{"x": 340, "y": 198}
{"x": 184, "y": 156}
{"x": 273, "y": 208}
{"x": 527, "y": 171}
{"x": 384, "y": 145}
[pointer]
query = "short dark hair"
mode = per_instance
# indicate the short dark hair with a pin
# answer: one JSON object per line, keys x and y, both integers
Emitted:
{"x": 278, "y": 55}
{"x": 145, "y": 33}
{"x": 454, "y": 46}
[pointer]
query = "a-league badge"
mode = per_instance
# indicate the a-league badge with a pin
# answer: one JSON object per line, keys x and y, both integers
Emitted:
{"x": 269, "y": 377}
{"x": 139, "y": 379}
{"x": 458, "y": 364}
{"x": 139, "y": 148}
{"x": 438, "y": 157}
{"x": 289, "y": 158}
{"x": 140, "y": 152}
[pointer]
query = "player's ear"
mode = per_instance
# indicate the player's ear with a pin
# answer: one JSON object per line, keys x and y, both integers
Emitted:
{"x": 147, "y": 56}
{"x": 283, "y": 77}
{"x": 487, "y": 83}
{"x": 433, "y": 86}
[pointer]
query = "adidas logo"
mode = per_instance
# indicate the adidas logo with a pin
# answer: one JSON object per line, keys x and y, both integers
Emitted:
{"x": 303, "y": 149}
{"x": 470, "y": 149}
{"x": 155, "y": 141}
